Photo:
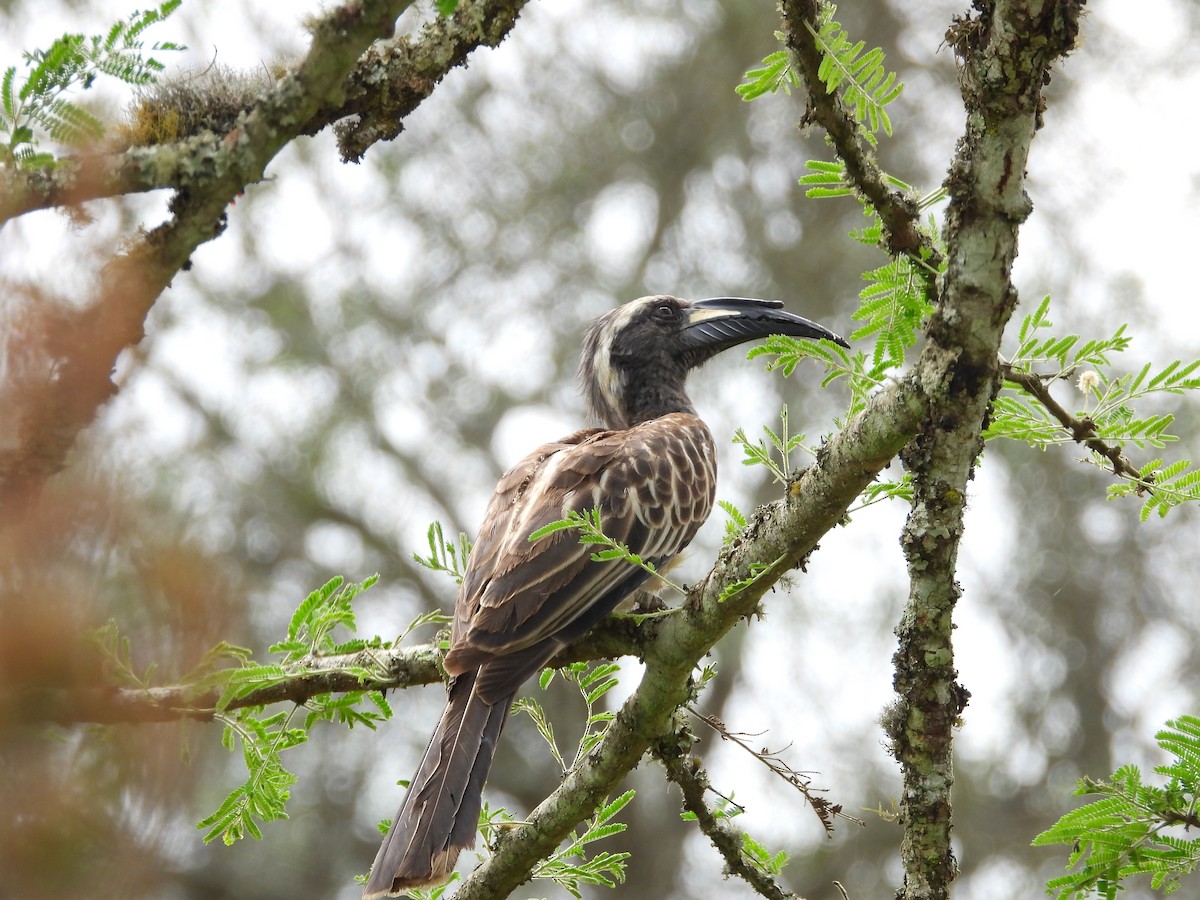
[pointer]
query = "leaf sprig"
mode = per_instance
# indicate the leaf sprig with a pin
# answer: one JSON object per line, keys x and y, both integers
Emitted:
{"x": 73, "y": 62}
{"x": 591, "y": 531}
{"x": 1025, "y": 411}
{"x": 867, "y": 86}
{"x": 1134, "y": 829}
{"x": 758, "y": 453}
{"x": 445, "y": 556}
{"x": 593, "y": 682}
{"x": 777, "y": 73}
{"x": 570, "y": 868}
{"x": 263, "y": 796}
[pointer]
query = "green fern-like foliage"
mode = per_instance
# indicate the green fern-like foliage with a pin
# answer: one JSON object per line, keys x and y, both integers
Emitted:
{"x": 783, "y": 443}
{"x": 571, "y": 868}
{"x": 859, "y": 74}
{"x": 825, "y": 180}
{"x": 445, "y": 556}
{"x": 775, "y": 74}
{"x": 893, "y": 307}
{"x": 264, "y": 737}
{"x": 39, "y": 104}
{"x": 867, "y": 86}
{"x": 591, "y": 531}
{"x": 735, "y": 520}
{"x": 1168, "y": 486}
{"x": 1108, "y": 406}
{"x": 593, "y": 682}
{"x": 1135, "y": 829}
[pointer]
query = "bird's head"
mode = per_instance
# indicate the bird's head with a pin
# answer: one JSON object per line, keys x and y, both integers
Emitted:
{"x": 636, "y": 358}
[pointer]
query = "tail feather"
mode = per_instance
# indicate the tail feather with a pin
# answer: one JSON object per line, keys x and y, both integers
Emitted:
{"x": 441, "y": 809}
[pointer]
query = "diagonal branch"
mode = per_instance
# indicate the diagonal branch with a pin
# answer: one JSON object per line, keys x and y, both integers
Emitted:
{"x": 87, "y": 344}
{"x": 387, "y": 83}
{"x": 685, "y": 771}
{"x": 899, "y": 214}
{"x": 80, "y": 346}
{"x": 1082, "y": 431}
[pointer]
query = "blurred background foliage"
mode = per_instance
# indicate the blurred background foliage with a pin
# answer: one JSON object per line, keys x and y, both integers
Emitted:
{"x": 368, "y": 347}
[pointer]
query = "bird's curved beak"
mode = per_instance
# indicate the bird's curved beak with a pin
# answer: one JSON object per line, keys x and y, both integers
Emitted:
{"x": 724, "y": 322}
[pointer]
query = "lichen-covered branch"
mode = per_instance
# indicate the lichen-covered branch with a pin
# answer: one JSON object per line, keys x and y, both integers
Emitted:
{"x": 899, "y": 214}
{"x": 684, "y": 770}
{"x": 79, "y": 344}
{"x": 90, "y": 176}
{"x": 394, "y": 76}
{"x": 1006, "y": 53}
{"x": 388, "y": 82}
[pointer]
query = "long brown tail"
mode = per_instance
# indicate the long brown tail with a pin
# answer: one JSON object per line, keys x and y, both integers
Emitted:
{"x": 441, "y": 810}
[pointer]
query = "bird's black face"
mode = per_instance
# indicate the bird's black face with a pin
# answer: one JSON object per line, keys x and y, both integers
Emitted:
{"x": 637, "y": 357}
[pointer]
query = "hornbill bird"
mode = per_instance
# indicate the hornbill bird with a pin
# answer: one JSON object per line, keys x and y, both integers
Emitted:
{"x": 651, "y": 473}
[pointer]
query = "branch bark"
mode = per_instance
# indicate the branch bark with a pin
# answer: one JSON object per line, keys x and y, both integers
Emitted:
{"x": 685, "y": 771}
{"x": 79, "y": 347}
{"x": 1006, "y": 53}
{"x": 400, "y": 667}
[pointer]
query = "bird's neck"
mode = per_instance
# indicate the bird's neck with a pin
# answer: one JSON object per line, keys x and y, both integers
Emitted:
{"x": 650, "y": 399}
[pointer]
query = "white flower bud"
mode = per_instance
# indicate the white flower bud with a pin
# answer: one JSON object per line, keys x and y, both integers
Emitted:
{"x": 1088, "y": 382}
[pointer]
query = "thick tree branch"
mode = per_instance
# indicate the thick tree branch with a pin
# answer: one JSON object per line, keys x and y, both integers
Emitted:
{"x": 388, "y": 82}
{"x": 208, "y": 171}
{"x": 1006, "y": 54}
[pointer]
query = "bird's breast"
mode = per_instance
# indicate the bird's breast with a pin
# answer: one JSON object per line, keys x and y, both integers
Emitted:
{"x": 666, "y": 479}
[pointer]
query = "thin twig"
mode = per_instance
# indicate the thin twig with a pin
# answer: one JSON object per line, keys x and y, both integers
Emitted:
{"x": 1082, "y": 431}
{"x": 685, "y": 770}
{"x": 825, "y": 810}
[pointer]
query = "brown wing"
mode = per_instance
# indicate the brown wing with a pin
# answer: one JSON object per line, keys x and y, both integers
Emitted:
{"x": 521, "y": 600}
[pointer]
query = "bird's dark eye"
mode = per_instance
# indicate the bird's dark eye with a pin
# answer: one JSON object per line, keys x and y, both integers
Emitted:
{"x": 665, "y": 312}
